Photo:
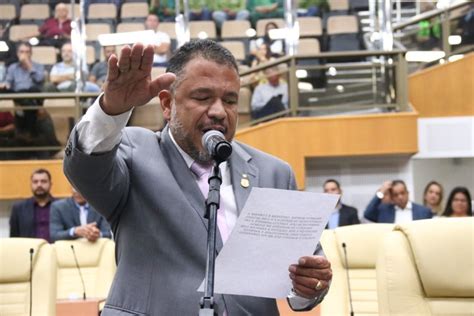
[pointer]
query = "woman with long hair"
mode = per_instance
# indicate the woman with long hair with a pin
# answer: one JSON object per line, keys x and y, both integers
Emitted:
{"x": 433, "y": 197}
{"x": 459, "y": 203}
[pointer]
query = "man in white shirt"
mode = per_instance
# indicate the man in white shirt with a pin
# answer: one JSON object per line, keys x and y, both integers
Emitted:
{"x": 161, "y": 43}
{"x": 270, "y": 97}
{"x": 145, "y": 185}
{"x": 391, "y": 205}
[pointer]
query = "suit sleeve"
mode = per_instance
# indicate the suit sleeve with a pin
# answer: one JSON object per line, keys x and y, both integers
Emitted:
{"x": 57, "y": 228}
{"x": 104, "y": 228}
{"x": 103, "y": 179}
{"x": 14, "y": 224}
{"x": 372, "y": 210}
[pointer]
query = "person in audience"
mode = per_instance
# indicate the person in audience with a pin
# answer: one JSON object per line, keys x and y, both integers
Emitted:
{"x": 74, "y": 218}
{"x": 229, "y": 10}
{"x": 200, "y": 10}
{"x": 264, "y": 9}
{"x": 62, "y": 74}
{"x": 270, "y": 97}
{"x": 164, "y": 9}
{"x": 275, "y": 47}
{"x": 56, "y": 30}
{"x": 162, "y": 43}
{"x": 155, "y": 201}
{"x": 30, "y": 217}
{"x": 344, "y": 214}
{"x": 433, "y": 197}
{"x": 312, "y": 7}
{"x": 459, "y": 203}
{"x": 25, "y": 76}
{"x": 99, "y": 70}
{"x": 399, "y": 210}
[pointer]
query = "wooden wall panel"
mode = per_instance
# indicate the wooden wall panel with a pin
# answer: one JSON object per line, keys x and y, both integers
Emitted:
{"x": 295, "y": 139}
{"x": 15, "y": 178}
{"x": 444, "y": 90}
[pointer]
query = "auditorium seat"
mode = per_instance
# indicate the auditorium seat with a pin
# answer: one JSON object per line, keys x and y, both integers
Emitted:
{"x": 15, "y": 277}
{"x": 45, "y": 55}
{"x": 245, "y": 98}
{"x": 168, "y": 28}
{"x": 77, "y": 10}
{"x": 308, "y": 46}
{"x": 237, "y": 48}
{"x": 262, "y": 22}
{"x": 96, "y": 261}
{"x": 7, "y": 13}
{"x": 196, "y": 28}
{"x": 362, "y": 244}
{"x": 310, "y": 26}
{"x": 235, "y": 29}
{"x": 156, "y": 71}
{"x": 134, "y": 12}
{"x": 148, "y": 116}
{"x": 23, "y": 32}
{"x": 130, "y": 27}
{"x": 339, "y": 5}
{"x": 93, "y": 30}
{"x": 34, "y": 13}
{"x": 343, "y": 33}
{"x": 427, "y": 268}
{"x": 102, "y": 12}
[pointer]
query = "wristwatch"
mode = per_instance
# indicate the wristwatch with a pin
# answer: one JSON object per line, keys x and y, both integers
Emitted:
{"x": 379, "y": 194}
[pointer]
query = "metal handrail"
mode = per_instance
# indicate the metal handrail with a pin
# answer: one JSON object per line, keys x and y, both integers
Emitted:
{"x": 428, "y": 15}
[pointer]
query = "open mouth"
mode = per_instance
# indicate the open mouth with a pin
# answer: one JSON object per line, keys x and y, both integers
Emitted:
{"x": 221, "y": 129}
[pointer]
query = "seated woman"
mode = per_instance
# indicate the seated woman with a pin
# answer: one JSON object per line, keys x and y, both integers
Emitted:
{"x": 459, "y": 203}
{"x": 433, "y": 196}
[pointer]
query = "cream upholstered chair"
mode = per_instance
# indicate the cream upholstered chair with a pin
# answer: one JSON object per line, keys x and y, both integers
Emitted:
{"x": 15, "y": 277}
{"x": 427, "y": 268}
{"x": 97, "y": 264}
{"x": 362, "y": 243}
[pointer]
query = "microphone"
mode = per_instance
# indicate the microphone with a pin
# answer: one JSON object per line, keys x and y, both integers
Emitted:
{"x": 80, "y": 274}
{"x": 31, "y": 279}
{"x": 216, "y": 145}
{"x": 348, "y": 280}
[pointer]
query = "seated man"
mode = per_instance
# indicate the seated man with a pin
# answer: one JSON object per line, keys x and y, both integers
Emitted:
{"x": 391, "y": 205}
{"x": 56, "y": 30}
{"x": 62, "y": 75}
{"x": 74, "y": 218}
{"x": 344, "y": 214}
{"x": 99, "y": 70}
{"x": 270, "y": 97}
{"x": 229, "y": 10}
{"x": 161, "y": 43}
{"x": 264, "y": 9}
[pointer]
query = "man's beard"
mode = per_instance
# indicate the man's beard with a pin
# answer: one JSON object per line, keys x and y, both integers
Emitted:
{"x": 40, "y": 194}
{"x": 185, "y": 141}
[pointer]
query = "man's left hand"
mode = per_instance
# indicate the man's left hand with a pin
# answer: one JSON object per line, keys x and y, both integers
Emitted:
{"x": 311, "y": 276}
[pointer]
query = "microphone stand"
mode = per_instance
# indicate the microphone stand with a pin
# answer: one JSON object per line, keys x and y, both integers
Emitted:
{"x": 207, "y": 303}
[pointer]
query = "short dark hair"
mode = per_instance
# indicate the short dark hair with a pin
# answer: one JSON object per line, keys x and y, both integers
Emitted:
{"x": 204, "y": 48}
{"x": 398, "y": 181}
{"x": 23, "y": 43}
{"x": 448, "y": 211}
{"x": 333, "y": 181}
{"x": 41, "y": 171}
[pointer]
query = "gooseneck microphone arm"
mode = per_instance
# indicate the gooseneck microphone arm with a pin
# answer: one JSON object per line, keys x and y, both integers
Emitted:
{"x": 32, "y": 251}
{"x": 80, "y": 273}
{"x": 348, "y": 280}
{"x": 220, "y": 150}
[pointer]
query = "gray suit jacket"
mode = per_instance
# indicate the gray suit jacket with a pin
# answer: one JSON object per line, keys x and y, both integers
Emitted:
{"x": 145, "y": 190}
{"x": 65, "y": 215}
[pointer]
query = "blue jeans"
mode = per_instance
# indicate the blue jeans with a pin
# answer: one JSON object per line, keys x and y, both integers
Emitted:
{"x": 220, "y": 16}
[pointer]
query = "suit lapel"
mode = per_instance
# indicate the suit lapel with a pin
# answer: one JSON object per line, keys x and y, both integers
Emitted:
{"x": 183, "y": 176}
{"x": 244, "y": 175}
{"x": 75, "y": 211}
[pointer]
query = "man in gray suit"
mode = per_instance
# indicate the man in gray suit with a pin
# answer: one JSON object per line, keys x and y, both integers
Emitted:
{"x": 74, "y": 218}
{"x": 143, "y": 184}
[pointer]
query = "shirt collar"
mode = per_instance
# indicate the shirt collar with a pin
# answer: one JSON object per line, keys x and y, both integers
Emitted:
{"x": 86, "y": 206}
{"x": 408, "y": 207}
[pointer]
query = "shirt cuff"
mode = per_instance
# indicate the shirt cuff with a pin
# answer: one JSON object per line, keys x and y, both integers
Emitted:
{"x": 298, "y": 303}
{"x": 71, "y": 232}
{"x": 99, "y": 132}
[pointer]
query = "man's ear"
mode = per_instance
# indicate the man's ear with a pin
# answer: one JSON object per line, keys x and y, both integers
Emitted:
{"x": 166, "y": 101}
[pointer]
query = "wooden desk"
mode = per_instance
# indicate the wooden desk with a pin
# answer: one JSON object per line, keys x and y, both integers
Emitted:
{"x": 89, "y": 307}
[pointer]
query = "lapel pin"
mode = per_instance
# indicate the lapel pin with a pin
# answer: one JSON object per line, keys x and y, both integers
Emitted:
{"x": 244, "y": 182}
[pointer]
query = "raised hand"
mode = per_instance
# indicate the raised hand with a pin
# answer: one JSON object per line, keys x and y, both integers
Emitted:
{"x": 129, "y": 83}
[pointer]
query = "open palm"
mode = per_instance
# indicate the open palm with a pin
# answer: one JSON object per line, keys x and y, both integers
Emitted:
{"x": 129, "y": 82}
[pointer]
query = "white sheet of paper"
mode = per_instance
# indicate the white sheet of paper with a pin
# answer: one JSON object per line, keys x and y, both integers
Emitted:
{"x": 274, "y": 229}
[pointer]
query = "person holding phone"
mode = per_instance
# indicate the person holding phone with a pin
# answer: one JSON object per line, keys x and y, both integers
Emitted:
{"x": 391, "y": 204}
